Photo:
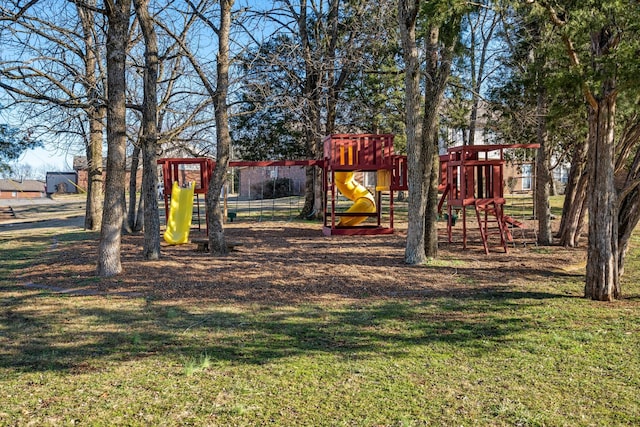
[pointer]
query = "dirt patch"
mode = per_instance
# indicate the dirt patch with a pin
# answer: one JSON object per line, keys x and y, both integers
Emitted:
{"x": 280, "y": 262}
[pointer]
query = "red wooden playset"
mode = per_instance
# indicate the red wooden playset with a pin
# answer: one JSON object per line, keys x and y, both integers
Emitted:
{"x": 470, "y": 176}
{"x": 474, "y": 177}
{"x": 345, "y": 154}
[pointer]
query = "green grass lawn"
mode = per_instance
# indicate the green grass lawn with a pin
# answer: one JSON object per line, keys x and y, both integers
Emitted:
{"x": 535, "y": 356}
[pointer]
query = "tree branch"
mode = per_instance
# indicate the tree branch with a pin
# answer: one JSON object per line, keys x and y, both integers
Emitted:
{"x": 560, "y": 22}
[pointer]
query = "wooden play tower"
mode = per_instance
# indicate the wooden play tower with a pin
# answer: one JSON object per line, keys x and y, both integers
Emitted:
{"x": 475, "y": 178}
{"x": 345, "y": 154}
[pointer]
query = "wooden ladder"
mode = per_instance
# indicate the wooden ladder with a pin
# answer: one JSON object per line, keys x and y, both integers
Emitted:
{"x": 490, "y": 207}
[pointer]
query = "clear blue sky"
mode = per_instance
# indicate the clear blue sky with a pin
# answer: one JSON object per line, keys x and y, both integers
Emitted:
{"x": 41, "y": 157}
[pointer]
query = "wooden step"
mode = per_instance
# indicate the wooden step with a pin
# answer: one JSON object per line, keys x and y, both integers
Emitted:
{"x": 513, "y": 221}
{"x": 6, "y": 213}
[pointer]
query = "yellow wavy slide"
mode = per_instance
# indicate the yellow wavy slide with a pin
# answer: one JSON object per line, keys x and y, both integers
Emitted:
{"x": 363, "y": 201}
{"x": 180, "y": 213}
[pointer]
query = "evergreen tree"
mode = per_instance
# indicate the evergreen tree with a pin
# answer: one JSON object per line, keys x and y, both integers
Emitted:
{"x": 12, "y": 144}
{"x": 601, "y": 40}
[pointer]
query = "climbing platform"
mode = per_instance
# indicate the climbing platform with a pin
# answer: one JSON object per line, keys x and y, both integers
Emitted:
{"x": 473, "y": 177}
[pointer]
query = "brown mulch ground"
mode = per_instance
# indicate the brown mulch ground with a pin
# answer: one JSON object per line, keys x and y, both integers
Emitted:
{"x": 289, "y": 262}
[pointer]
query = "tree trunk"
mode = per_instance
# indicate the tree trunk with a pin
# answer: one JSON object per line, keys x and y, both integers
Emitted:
{"x": 431, "y": 213}
{"x": 93, "y": 212}
{"x": 217, "y": 243}
{"x": 307, "y": 211}
{"x": 628, "y": 217}
{"x": 313, "y": 188}
{"x": 629, "y": 194}
{"x": 113, "y": 215}
{"x": 95, "y": 115}
{"x": 318, "y": 202}
{"x": 313, "y": 140}
{"x": 132, "y": 208}
{"x": 602, "y": 279}
{"x": 149, "y": 202}
{"x": 140, "y": 213}
{"x": 418, "y": 188}
{"x": 575, "y": 198}
{"x": 439, "y": 54}
{"x": 149, "y": 198}
{"x": 543, "y": 174}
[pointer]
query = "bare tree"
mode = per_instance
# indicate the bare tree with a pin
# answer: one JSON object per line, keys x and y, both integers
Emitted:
{"x": 183, "y": 109}
{"x": 317, "y": 46}
{"x": 96, "y": 115}
{"x": 321, "y": 82}
{"x": 118, "y": 14}
{"x": 422, "y": 127}
{"x": 218, "y": 92}
{"x": 59, "y": 50}
{"x": 418, "y": 187}
{"x": 217, "y": 243}
{"x": 151, "y": 249}
{"x": 311, "y": 107}
{"x": 481, "y": 24}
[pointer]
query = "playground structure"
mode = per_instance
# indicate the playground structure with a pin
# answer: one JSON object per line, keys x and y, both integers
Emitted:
{"x": 470, "y": 176}
{"x": 172, "y": 180}
{"x": 473, "y": 176}
{"x": 173, "y": 174}
{"x": 344, "y": 155}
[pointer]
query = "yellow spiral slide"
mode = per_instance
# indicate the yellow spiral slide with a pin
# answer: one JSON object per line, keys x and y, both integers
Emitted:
{"x": 363, "y": 201}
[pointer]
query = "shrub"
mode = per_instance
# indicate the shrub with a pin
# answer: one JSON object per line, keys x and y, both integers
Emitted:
{"x": 273, "y": 189}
